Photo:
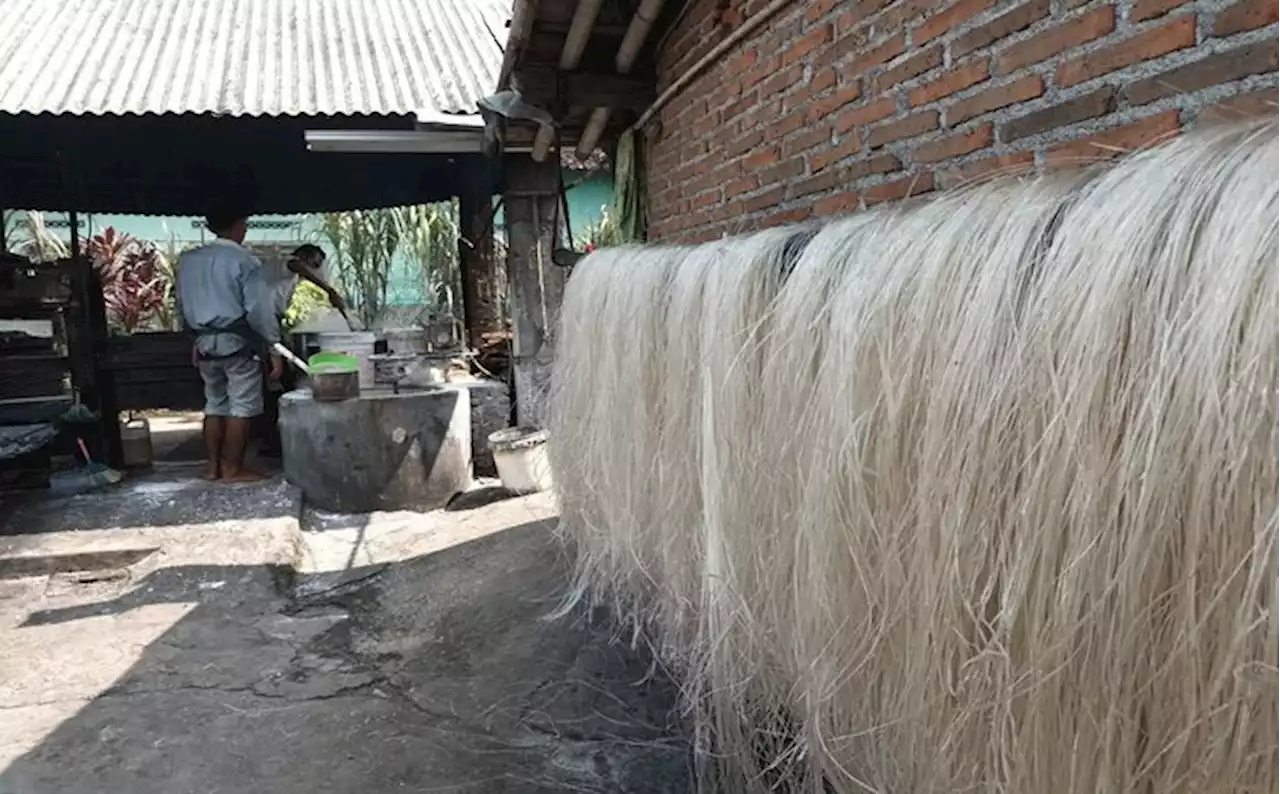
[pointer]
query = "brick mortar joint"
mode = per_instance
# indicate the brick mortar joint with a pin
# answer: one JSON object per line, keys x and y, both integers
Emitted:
{"x": 1053, "y": 96}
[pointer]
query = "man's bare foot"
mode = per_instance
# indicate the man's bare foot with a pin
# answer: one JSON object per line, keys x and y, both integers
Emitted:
{"x": 211, "y": 472}
{"x": 245, "y": 474}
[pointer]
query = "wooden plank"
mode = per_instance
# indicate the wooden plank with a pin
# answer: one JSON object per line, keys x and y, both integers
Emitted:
{"x": 30, "y": 410}
{"x": 523, "y": 14}
{"x": 30, "y": 287}
{"x": 481, "y": 285}
{"x": 26, "y": 473}
{"x": 30, "y": 376}
{"x": 178, "y": 377}
{"x": 153, "y": 396}
{"x": 101, "y": 396}
{"x": 536, "y": 284}
{"x": 552, "y": 89}
{"x": 16, "y": 343}
{"x": 147, "y": 350}
{"x": 38, "y": 360}
{"x": 153, "y": 370}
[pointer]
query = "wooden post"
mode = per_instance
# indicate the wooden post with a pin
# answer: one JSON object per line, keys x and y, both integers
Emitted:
{"x": 536, "y": 283}
{"x": 481, "y": 287}
{"x": 101, "y": 396}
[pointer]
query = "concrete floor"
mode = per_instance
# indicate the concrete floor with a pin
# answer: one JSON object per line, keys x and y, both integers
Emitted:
{"x": 178, "y": 438}
{"x": 174, "y": 636}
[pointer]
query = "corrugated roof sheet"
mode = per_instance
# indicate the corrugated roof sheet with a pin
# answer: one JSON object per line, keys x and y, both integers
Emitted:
{"x": 249, "y": 57}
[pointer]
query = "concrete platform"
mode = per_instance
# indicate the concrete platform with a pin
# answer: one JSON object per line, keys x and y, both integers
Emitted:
{"x": 293, "y": 651}
{"x": 340, "y": 541}
{"x": 381, "y": 451}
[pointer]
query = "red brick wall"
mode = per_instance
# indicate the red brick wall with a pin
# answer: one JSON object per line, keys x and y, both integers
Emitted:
{"x": 833, "y": 106}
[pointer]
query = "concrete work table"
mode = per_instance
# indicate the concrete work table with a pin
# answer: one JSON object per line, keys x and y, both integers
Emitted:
{"x": 380, "y": 451}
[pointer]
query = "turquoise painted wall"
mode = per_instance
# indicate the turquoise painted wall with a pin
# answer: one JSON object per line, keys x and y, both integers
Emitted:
{"x": 587, "y": 199}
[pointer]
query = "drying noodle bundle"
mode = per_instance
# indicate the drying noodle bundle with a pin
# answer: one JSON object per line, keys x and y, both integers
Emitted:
{"x": 976, "y": 494}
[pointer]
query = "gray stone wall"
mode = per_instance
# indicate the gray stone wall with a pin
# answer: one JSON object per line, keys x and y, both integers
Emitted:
{"x": 490, "y": 411}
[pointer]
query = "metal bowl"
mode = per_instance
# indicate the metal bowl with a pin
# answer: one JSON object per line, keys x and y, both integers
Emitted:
{"x": 335, "y": 386}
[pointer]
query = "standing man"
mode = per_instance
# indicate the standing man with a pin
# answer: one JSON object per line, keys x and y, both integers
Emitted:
{"x": 306, "y": 263}
{"x": 226, "y": 303}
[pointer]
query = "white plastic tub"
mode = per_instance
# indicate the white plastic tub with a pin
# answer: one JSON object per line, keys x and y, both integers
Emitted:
{"x": 520, "y": 453}
{"x": 358, "y": 345}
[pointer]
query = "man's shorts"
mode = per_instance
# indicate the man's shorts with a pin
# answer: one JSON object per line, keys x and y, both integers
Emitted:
{"x": 232, "y": 386}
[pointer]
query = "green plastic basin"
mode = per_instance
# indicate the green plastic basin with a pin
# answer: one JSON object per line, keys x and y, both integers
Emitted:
{"x": 320, "y": 363}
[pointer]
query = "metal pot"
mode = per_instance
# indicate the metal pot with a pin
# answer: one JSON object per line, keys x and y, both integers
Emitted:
{"x": 335, "y": 386}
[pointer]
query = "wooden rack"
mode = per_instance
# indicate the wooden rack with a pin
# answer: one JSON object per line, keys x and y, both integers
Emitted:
{"x": 43, "y": 374}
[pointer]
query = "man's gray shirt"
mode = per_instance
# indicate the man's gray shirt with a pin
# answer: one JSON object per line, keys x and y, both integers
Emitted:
{"x": 219, "y": 283}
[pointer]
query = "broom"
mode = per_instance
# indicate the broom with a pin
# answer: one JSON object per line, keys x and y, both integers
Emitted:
{"x": 98, "y": 473}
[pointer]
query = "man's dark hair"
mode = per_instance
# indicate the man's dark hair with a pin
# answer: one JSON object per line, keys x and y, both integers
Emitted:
{"x": 308, "y": 251}
{"x": 222, "y": 218}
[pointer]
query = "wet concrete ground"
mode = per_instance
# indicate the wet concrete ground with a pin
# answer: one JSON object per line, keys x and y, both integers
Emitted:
{"x": 174, "y": 636}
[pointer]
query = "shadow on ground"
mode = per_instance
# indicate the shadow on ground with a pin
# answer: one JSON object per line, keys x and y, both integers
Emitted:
{"x": 479, "y": 497}
{"x": 177, "y": 440}
{"x": 439, "y": 673}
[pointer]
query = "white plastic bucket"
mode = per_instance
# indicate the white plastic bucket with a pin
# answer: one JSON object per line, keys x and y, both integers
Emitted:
{"x": 135, "y": 443}
{"x": 358, "y": 345}
{"x": 520, "y": 454}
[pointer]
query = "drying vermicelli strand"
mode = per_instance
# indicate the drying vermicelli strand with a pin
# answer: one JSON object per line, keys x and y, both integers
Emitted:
{"x": 976, "y": 494}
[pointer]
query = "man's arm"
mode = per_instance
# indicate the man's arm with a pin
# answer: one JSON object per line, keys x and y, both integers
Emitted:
{"x": 183, "y": 325}
{"x": 259, "y": 303}
{"x": 178, "y": 307}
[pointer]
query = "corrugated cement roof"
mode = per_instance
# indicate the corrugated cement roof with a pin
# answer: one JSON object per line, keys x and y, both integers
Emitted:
{"x": 249, "y": 57}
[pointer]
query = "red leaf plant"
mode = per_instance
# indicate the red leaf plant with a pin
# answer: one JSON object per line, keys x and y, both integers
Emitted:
{"x": 134, "y": 285}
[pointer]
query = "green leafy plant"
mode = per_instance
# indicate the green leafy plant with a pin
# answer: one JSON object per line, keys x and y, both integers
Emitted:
{"x": 601, "y": 234}
{"x": 9, "y": 223}
{"x": 35, "y": 241}
{"x": 429, "y": 238}
{"x": 167, "y": 318}
{"x": 307, "y": 300}
{"x": 362, "y": 246}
